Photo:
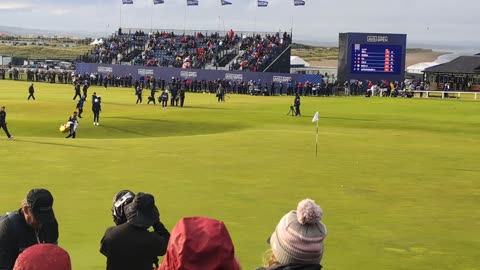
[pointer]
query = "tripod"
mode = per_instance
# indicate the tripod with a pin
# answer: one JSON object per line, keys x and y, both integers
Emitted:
{"x": 292, "y": 111}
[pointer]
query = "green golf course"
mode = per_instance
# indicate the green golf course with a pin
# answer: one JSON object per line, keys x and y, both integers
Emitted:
{"x": 397, "y": 179}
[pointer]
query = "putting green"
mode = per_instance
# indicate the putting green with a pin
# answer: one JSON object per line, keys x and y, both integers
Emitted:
{"x": 397, "y": 178}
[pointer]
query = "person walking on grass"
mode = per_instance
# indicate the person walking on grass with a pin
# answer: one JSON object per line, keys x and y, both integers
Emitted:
{"x": 31, "y": 91}
{"x": 138, "y": 92}
{"x": 96, "y": 108}
{"x": 77, "y": 91}
{"x": 80, "y": 106}
{"x": 3, "y": 122}
{"x": 72, "y": 124}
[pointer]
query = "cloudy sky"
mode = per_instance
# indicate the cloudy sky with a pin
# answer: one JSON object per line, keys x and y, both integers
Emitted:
{"x": 439, "y": 21}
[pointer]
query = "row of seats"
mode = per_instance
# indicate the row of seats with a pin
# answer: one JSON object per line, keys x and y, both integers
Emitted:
{"x": 188, "y": 51}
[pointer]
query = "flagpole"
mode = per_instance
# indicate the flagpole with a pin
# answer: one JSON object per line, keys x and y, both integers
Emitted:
{"x": 185, "y": 19}
{"x": 316, "y": 142}
{"x": 151, "y": 18}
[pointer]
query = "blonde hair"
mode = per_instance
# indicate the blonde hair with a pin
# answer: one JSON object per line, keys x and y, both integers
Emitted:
{"x": 269, "y": 259}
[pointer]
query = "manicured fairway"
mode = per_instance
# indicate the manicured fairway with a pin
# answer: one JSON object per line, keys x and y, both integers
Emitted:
{"x": 398, "y": 179}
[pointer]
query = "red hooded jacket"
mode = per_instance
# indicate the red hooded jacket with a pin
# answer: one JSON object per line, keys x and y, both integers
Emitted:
{"x": 200, "y": 243}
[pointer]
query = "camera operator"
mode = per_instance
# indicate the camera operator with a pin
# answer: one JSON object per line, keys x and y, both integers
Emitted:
{"x": 130, "y": 245}
{"x": 296, "y": 103}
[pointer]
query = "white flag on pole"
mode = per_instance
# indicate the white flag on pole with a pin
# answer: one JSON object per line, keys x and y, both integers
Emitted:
{"x": 315, "y": 117}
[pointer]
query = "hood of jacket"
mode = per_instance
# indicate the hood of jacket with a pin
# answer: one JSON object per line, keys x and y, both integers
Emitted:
{"x": 200, "y": 243}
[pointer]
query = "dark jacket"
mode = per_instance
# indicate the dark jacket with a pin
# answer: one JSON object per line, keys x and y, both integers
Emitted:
{"x": 294, "y": 267}
{"x": 129, "y": 247}
{"x": 14, "y": 240}
{"x": 96, "y": 107}
{"x": 3, "y": 117}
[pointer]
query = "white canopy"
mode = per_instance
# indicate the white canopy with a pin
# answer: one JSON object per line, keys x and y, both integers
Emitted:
{"x": 418, "y": 68}
{"x": 297, "y": 61}
{"x": 95, "y": 42}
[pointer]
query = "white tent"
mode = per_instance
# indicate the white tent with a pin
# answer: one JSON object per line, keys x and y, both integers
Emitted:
{"x": 298, "y": 62}
{"x": 100, "y": 41}
{"x": 95, "y": 42}
{"x": 418, "y": 68}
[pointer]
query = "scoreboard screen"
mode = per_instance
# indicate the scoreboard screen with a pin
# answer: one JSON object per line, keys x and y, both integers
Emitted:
{"x": 376, "y": 59}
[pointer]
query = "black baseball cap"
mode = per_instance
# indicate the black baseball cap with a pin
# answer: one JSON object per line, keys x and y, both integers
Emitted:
{"x": 142, "y": 212}
{"x": 40, "y": 202}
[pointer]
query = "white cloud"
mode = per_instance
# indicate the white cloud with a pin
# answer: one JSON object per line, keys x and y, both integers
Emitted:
{"x": 14, "y": 6}
{"x": 60, "y": 12}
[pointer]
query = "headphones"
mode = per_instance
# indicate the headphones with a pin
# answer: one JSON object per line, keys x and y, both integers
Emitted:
{"x": 121, "y": 199}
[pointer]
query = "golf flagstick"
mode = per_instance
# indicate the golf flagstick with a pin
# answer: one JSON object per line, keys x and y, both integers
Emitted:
{"x": 315, "y": 119}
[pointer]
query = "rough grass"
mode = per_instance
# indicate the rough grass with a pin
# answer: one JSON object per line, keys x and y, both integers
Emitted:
{"x": 44, "y": 52}
{"x": 397, "y": 178}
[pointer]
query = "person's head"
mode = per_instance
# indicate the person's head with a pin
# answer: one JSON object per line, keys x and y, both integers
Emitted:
{"x": 120, "y": 200}
{"x": 37, "y": 208}
{"x": 75, "y": 113}
{"x": 200, "y": 243}
{"x": 142, "y": 212}
{"x": 43, "y": 257}
{"x": 2, "y": 109}
{"x": 298, "y": 237}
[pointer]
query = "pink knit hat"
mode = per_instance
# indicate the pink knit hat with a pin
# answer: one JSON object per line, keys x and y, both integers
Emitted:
{"x": 43, "y": 257}
{"x": 299, "y": 235}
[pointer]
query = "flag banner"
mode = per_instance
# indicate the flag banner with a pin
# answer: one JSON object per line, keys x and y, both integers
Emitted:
{"x": 298, "y": 3}
{"x": 127, "y": 2}
{"x": 192, "y": 2}
{"x": 315, "y": 118}
{"x": 262, "y": 3}
{"x": 224, "y": 3}
{"x": 156, "y": 2}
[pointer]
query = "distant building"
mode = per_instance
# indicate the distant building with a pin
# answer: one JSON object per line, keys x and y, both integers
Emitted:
{"x": 462, "y": 73}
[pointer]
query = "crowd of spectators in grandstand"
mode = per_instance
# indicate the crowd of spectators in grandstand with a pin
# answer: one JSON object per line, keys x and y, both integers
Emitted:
{"x": 259, "y": 52}
{"x": 167, "y": 49}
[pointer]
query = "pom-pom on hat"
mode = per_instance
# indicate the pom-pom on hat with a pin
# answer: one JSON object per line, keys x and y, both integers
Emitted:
{"x": 298, "y": 237}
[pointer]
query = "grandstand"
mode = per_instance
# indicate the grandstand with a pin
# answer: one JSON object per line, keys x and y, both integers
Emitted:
{"x": 228, "y": 50}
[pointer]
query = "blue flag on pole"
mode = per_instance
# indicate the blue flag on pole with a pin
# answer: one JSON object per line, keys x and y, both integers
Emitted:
{"x": 127, "y": 2}
{"x": 262, "y": 3}
{"x": 224, "y": 3}
{"x": 156, "y": 2}
{"x": 192, "y": 2}
{"x": 298, "y": 3}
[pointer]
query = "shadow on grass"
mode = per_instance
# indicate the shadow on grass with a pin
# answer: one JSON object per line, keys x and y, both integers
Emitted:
{"x": 348, "y": 119}
{"x": 57, "y": 144}
{"x": 128, "y": 130}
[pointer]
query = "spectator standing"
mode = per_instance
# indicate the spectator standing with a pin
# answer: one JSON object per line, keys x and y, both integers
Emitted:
{"x": 130, "y": 245}
{"x": 34, "y": 223}
{"x": 297, "y": 242}
{"x": 200, "y": 243}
